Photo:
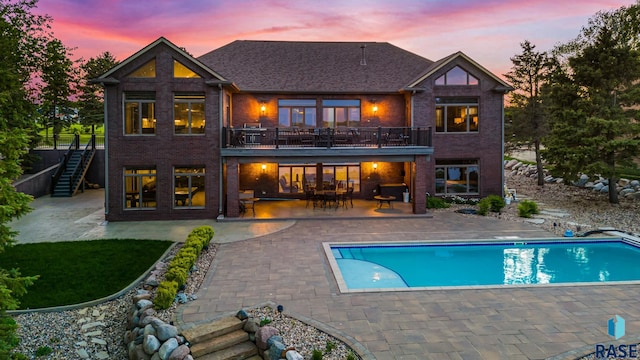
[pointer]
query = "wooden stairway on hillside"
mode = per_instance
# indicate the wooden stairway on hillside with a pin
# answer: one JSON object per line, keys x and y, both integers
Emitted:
{"x": 223, "y": 339}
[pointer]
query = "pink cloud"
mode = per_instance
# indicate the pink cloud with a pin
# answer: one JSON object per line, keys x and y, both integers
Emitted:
{"x": 488, "y": 31}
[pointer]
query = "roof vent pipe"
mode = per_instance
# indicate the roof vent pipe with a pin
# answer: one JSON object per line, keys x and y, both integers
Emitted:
{"x": 363, "y": 59}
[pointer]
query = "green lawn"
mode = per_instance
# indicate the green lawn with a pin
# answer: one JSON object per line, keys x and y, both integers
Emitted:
{"x": 77, "y": 271}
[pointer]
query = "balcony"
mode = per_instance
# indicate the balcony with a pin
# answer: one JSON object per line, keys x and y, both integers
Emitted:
{"x": 326, "y": 138}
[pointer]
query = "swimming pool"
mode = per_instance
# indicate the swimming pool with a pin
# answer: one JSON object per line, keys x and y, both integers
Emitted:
{"x": 426, "y": 265}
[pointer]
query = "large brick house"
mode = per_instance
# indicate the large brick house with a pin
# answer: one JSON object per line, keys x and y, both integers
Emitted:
{"x": 185, "y": 136}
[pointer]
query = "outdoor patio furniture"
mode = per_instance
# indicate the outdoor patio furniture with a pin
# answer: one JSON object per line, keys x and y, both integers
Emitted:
{"x": 384, "y": 199}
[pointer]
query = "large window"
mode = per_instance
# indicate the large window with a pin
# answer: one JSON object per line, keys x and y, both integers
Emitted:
{"x": 188, "y": 187}
{"x": 456, "y": 114}
{"x": 457, "y": 177}
{"x": 296, "y": 178}
{"x": 188, "y": 113}
{"x": 139, "y": 188}
{"x": 139, "y": 113}
{"x": 457, "y": 76}
{"x": 297, "y": 113}
{"x": 340, "y": 113}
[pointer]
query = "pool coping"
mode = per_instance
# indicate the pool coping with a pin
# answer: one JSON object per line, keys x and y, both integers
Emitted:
{"x": 343, "y": 288}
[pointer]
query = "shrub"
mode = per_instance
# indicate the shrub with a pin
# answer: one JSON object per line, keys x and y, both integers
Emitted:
{"x": 493, "y": 203}
{"x": 178, "y": 275}
{"x": 350, "y": 356}
{"x": 436, "y": 203}
{"x": 8, "y": 338}
{"x": 483, "y": 206}
{"x": 184, "y": 263}
{"x": 165, "y": 294}
{"x": 329, "y": 346}
{"x": 180, "y": 266}
{"x": 526, "y": 208}
{"x": 497, "y": 203}
{"x": 316, "y": 354}
{"x": 188, "y": 256}
{"x": 43, "y": 350}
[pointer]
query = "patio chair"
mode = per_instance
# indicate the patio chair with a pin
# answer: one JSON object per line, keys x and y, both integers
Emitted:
{"x": 347, "y": 196}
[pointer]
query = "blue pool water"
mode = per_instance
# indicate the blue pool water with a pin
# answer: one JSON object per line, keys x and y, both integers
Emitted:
{"x": 515, "y": 263}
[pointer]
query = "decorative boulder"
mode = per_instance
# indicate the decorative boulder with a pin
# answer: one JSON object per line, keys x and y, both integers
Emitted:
{"x": 180, "y": 353}
{"x": 252, "y": 325}
{"x": 273, "y": 339}
{"x": 293, "y": 355}
{"x": 242, "y": 315}
{"x": 275, "y": 350}
{"x": 165, "y": 332}
{"x": 151, "y": 344}
{"x": 167, "y": 348}
{"x": 142, "y": 304}
{"x": 263, "y": 334}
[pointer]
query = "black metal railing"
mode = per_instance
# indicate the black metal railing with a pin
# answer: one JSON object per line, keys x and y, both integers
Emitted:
{"x": 326, "y": 137}
{"x": 79, "y": 170}
{"x": 64, "y": 140}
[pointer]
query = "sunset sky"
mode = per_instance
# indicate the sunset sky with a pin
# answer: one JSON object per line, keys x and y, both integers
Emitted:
{"x": 489, "y": 31}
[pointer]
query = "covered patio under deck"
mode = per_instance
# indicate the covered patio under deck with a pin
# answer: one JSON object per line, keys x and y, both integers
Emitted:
{"x": 299, "y": 209}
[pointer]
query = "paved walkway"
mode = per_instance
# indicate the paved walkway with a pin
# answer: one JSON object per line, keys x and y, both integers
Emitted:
{"x": 284, "y": 262}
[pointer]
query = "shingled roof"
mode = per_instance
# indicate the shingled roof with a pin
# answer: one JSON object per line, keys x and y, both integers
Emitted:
{"x": 316, "y": 67}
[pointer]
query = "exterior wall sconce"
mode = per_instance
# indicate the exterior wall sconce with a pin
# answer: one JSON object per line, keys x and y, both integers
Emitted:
{"x": 375, "y": 108}
{"x": 263, "y": 108}
{"x": 264, "y": 167}
{"x": 375, "y": 166}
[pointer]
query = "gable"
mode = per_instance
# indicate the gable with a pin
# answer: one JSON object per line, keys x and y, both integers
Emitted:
{"x": 178, "y": 53}
{"x": 474, "y": 68}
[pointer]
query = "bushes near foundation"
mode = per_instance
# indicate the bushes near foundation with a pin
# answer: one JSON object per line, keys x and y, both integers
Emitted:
{"x": 527, "y": 208}
{"x": 493, "y": 203}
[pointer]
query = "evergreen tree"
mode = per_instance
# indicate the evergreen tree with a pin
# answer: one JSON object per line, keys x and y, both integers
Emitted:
{"x": 527, "y": 119}
{"x": 59, "y": 77}
{"x": 91, "y": 98}
{"x": 19, "y": 30}
{"x": 593, "y": 100}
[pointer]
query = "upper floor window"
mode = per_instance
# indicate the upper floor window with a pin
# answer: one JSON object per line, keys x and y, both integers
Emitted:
{"x": 147, "y": 70}
{"x": 340, "y": 113}
{"x": 457, "y": 76}
{"x": 188, "y": 113}
{"x": 297, "y": 113}
{"x": 139, "y": 113}
{"x": 456, "y": 114}
{"x": 181, "y": 71}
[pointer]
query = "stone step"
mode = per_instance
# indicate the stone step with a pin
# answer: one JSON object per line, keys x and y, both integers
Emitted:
{"x": 213, "y": 329}
{"x": 242, "y": 351}
{"x": 219, "y": 343}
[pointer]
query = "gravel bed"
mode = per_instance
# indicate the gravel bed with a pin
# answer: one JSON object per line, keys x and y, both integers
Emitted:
{"x": 63, "y": 332}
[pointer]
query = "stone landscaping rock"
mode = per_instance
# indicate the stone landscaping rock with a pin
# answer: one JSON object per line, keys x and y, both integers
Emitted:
{"x": 275, "y": 350}
{"x": 179, "y": 353}
{"x": 251, "y": 325}
{"x": 151, "y": 344}
{"x": 165, "y": 332}
{"x": 167, "y": 348}
{"x": 263, "y": 334}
